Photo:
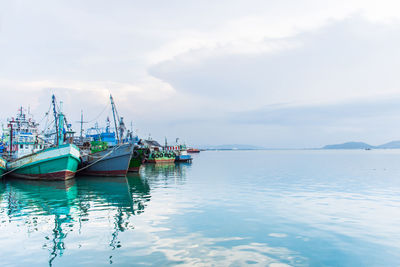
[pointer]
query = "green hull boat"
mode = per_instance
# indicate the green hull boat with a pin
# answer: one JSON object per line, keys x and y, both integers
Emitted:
{"x": 57, "y": 163}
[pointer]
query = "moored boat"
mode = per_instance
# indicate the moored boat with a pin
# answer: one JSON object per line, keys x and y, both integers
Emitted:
{"x": 182, "y": 155}
{"x": 30, "y": 157}
{"x": 55, "y": 163}
{"x": 138, "y": 158}
{"x": 108, "y": 153}
{"x": 193, "y": 150}
{"x": 161, "y": 157}
{"x": 112, "y": 161}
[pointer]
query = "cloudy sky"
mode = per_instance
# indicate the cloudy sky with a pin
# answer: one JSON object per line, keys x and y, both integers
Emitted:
{"x": 279, "y": 74}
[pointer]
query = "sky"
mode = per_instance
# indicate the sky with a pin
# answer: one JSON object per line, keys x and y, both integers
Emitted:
{"x": 277, "y": 74}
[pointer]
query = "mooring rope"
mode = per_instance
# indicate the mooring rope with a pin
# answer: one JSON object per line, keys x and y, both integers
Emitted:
{"x": 11, "y": 170}
{"x": 91, "y": 164}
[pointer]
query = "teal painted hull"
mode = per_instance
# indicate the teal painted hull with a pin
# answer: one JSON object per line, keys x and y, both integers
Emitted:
{"x": 3, "y": 166}
{"x": 52, "y": 164}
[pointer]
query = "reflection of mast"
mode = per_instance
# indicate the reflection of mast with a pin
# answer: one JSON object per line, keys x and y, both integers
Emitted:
{"x": 118, "y": 227}
{"x": 58, "y": 237}
{"x": 12, "y": 202}
{"x": 140, "y": 193}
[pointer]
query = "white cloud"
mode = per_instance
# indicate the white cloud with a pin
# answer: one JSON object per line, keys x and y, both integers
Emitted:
{"x": 197, "y": 60}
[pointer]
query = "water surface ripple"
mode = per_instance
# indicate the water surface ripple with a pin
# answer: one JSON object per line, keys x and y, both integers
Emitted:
{"x": 231, "y": 208}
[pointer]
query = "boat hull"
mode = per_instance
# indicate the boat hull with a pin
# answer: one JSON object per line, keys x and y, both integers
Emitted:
{"x": 183, "y": 158}
{"x": 161, "y": 157}
{"x": 3, "y": 166}
{"x": 138, "y": 158}
{"x": 113, "y": 161}
{"x": 58, "y": 163}
{"x": 161, "y": 160}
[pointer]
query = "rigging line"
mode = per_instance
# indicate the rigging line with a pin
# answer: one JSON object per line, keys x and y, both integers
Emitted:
{"x": 47, "y": 127}
{"x": 46, "y": 114}
{"x": 109, "y": 153}
{"x": 99, "y": 114}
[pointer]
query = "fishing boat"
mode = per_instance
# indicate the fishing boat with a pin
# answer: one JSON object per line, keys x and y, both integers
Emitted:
{"x": 113, "y": 161}
{"x": 139, "y": 156}
{"x": 31, "y": 157}
{"x": 161, "y": 157}
{"x": 158, "y": 153}
{"x": 182, "y": 154}
{"x": 106, "y": 154}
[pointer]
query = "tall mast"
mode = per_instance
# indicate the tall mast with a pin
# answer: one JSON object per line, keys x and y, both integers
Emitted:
{"x": 82, "y": 122}
{"x": 11, "y": 138}
{"x": 53, "y": 99}
{"x": 61, "y": 126}
{"x": 115, "y": 119}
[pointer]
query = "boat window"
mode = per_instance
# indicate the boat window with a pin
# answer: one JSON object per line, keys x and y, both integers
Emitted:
{"x": 21, "y": 146}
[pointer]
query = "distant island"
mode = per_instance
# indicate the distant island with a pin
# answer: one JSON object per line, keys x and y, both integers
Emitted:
{"x": 347, "y": 145}
{"x": 362, "y": 145}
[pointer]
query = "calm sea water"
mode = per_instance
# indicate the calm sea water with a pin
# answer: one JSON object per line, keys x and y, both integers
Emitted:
{"x": 233, "y": 208}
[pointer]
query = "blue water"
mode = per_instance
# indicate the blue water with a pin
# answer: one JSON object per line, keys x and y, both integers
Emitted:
{"x": 231, "y": 208}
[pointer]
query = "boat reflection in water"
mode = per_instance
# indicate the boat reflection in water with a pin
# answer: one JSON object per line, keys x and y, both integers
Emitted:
{"x": 61, "y": 210}
{"x": 52, "y": 200}
{"x": 80, "y": 219}
{"x": 166, "y": 172}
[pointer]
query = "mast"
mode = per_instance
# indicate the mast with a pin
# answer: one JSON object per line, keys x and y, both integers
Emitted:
{"x": 11, "y": 139}
{"x": 114, "y": 110}
{"x": 53, "y": 100}
{"x": 122, "y": 128}
{"x": 82, "y": 122}
{"x": 108, "y": 125}
{"x": 61, "y": 126}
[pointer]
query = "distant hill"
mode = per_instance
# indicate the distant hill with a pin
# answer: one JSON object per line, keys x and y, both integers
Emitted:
{"x": 362, "y": 145}
{"x": 349, "y": 145}
{"x": 231, "y": 147}
{"x": 393, "y": 144}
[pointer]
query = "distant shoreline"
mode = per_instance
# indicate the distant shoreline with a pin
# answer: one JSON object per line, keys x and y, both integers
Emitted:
{"x": 344, "y": 146}
{"x": 285, "y": 149}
